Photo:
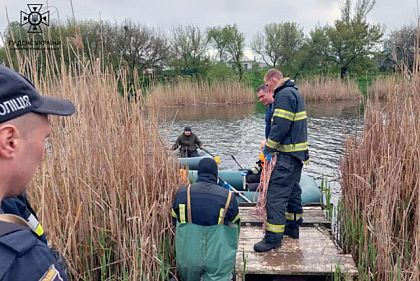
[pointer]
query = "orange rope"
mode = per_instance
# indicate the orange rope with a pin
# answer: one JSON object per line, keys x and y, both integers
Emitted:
{"x": 263, "y": 186}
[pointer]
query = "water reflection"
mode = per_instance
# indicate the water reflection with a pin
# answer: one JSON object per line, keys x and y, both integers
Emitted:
{"x": 198, "y": 113}
{"x": 237, "y": 131}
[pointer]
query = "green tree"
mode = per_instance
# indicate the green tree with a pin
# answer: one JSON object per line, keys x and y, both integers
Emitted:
{"x": 315, "y": 54}
{"x": 218, "y": 38}
{"x": 220, "y": 71}
{"x": 279, "y": 44}
{"x": 235, "y": 48}
{"x": 353, "y": 40}
{"x": 189, "y": 50}
{"x": 229, "y": 43}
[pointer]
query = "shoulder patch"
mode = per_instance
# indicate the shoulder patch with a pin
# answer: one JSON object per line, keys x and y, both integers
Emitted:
{"x": 52, "y": 274}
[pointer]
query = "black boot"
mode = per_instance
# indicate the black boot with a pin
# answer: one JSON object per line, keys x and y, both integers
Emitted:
{"x": 292, "y": 232}
{"x": 265, "y": 246}
{"x": 269, "y": 242}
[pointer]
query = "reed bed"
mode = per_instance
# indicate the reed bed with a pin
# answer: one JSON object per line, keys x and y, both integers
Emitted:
{"x": 380, "y": 211}
{"x": 105, "y": 188}
{"x": 329, "y": 89}
{"x": 192, "y": 93}
{"x": 386, "y": 88}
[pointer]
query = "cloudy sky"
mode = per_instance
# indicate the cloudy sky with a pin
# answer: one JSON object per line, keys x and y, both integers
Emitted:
{"x": 249, "y": 15}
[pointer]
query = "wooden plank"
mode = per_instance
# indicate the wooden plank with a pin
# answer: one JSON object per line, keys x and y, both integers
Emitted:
{"x": 311, "y": 216}
{"x": 313, "y": 254}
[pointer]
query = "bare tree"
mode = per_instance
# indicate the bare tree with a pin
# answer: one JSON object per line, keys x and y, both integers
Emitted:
{"x": 400, "y": 47}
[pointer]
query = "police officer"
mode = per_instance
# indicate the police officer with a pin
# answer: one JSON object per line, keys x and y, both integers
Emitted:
{"x": 23, "y": 128}
{"x": 288, "y": 139}
{"x": 206, "y": 218}
{"x": 20, "y": 206}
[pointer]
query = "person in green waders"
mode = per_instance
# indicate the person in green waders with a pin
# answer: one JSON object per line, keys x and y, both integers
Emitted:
{"x": 207, "y": 227}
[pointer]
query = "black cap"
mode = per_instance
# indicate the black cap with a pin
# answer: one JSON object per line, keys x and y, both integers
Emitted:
{"x": 18, "y": 96}
{"x": 187, "y": 128}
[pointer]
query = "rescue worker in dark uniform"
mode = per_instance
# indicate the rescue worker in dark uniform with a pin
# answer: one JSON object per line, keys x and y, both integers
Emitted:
{"x": 24, "y": 126}
{"x": 206, "y": 218}
{"x": 188, "y": 143}
{"x": 288, "y": 139}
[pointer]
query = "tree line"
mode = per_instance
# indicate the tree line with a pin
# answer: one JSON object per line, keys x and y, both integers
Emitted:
{"x": 351, "y": 46}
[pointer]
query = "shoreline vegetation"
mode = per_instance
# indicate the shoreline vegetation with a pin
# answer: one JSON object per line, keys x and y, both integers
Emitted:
{"x": 380, "y": 210}
{"x": 180, "y": 69}
{"x": 104, "y": 191}
{"x": 196, "y": 93}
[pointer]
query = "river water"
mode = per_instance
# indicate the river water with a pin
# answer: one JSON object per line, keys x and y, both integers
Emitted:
{"x": 238, "y": 130}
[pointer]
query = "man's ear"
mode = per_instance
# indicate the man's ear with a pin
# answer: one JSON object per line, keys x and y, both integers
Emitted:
{"x": 8, "y": 140}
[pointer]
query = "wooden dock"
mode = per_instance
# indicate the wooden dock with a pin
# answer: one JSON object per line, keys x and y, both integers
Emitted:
{"x": 314, "y": 256}
{"x": 312, "y": 215}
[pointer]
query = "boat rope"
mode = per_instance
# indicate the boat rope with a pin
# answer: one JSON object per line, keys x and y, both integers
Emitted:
{"x": 262, "y": 188}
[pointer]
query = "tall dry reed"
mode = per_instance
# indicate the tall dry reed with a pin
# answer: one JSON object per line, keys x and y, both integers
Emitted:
{"x": 380, "y": 212}
{"x": 329, "y": 89}
{"x": 105, "y": 188}
{"x": 190, "y": 93}
{"x": 386, "y": 88}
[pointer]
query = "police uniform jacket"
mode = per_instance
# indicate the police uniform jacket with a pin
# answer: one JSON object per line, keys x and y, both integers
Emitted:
{"x": 19, "y": 206}
{"x": 24, "y": 257}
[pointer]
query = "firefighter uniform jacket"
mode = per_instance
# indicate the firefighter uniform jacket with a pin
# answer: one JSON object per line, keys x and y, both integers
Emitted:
{"x": 288, "y": 132}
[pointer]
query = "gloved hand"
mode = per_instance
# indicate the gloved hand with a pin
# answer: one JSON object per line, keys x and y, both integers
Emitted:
{"x": 267, "y": 156}
{"x": 226, "y": 185}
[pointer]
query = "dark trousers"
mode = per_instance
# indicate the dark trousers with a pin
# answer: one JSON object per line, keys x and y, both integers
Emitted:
{"x": 284, "y": 194}
{"x": 186, "y": 153}
{"x": 253, "y": 178}
{"x": 252, "y": 182}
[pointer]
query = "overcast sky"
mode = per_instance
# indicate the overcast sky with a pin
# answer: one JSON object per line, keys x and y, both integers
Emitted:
{"x": 249, "y": 15}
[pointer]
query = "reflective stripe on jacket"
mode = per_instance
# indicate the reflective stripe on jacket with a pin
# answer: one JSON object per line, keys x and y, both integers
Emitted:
{"x": 288, "y": 133}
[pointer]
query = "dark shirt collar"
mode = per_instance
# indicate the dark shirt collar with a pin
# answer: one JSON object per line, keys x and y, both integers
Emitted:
{"x": 207, "y": 177}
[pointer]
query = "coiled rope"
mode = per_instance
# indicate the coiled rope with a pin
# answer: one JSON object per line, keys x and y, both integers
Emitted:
{"x": 259, "y": 210}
